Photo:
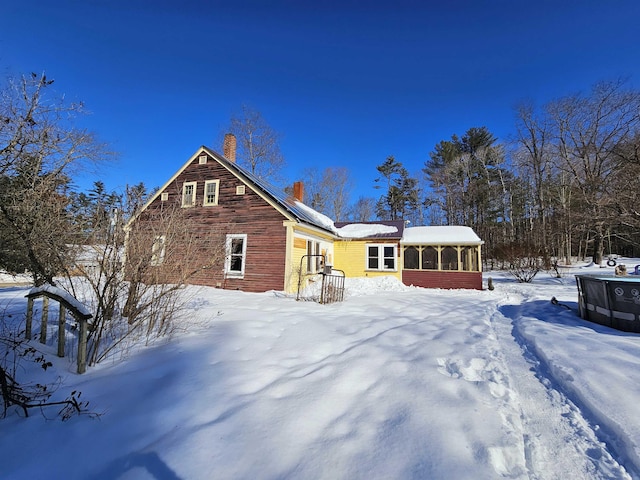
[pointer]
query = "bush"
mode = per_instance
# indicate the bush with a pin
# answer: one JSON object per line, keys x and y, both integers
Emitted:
{"x": 523, "y": 261}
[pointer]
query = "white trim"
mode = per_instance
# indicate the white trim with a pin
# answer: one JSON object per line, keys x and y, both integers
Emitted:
{"x": 186, "y": 185}
{"x": 223, "y": 163}
{"x": 227, "y": 261}
{"x": 381, "y": 257}
{"x": 158, "y": 249}
{"x": 205, "y": 201}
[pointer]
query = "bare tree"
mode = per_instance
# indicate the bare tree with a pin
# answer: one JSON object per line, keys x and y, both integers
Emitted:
{"x": 589, "y": 131}
{"x": 137, "y": 275}
{"x": 364, "y": 210}
{"x": 258, "y": 144}
{"x": 40, "y": 148}
{"x": 337, "y": 183}
{"x": 314, "y": 194}
{"x": 328, "y": 192}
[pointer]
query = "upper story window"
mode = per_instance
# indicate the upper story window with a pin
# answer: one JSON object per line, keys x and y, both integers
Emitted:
{"x": 211, "y": 188}
{"x": 381, "y": 257}
{"x": 189, "y": 194}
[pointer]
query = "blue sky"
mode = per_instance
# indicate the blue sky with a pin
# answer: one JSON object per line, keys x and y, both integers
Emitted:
{"x": 346, "y": 83}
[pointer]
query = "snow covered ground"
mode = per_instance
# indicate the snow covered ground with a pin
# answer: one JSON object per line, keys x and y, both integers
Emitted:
{"x": 394, "y": 383}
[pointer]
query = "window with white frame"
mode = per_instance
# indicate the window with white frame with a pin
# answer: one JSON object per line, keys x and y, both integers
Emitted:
{"x": 189, "y": 194}
{"x": 236, "y": 255}
{"x": 158, "y": 250}
{"x": 211, "y": 188}
{"x": 381, "y": 257}
{"x": 314, "y": 260}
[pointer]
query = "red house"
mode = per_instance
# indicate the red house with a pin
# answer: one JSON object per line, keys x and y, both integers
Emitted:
{"x": 213, "y": 223}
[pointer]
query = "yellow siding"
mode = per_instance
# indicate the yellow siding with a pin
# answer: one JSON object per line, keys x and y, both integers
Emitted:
{"x": 351, "y": 257}
{"x": 297, "y": 248}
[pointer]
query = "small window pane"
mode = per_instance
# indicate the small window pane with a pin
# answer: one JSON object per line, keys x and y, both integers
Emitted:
{"x": 236, "y": 263}
{"x": 211, "y": 192}
{"x": 372, "y": 258}
{"x": 236, "y": 246}
{"x": 389, "y": 258}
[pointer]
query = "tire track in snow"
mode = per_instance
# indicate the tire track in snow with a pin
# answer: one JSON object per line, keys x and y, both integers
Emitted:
{"x": 559, "y": 440}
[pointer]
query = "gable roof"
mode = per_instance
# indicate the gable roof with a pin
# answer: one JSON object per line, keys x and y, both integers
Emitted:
{"x": 284, "y": 203}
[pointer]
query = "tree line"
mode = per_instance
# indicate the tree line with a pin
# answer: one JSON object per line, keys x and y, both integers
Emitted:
{"x": 564, "y": 184}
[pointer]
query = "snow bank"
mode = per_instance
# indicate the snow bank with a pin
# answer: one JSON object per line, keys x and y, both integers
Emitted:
{"x": 394, "y": 382}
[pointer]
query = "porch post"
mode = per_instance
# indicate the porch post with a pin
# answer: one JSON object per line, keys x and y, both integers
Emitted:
{"x": 61, "y": 324}
{"x": 27, "y": 332}
{"x": 45, "y": 320}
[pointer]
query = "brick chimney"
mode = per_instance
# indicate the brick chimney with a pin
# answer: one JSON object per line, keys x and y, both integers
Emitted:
{"x": 229, "y": 147}
{"x": 298, "y": 191}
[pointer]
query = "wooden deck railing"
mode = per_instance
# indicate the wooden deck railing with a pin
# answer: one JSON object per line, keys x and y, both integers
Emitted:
{"x": 66, "y": 304}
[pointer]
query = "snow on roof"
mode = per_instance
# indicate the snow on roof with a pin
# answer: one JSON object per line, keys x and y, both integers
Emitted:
{"x": 317, "y": 217}
{"x": 362, "y": 230}
{"x": 441, "y": 235}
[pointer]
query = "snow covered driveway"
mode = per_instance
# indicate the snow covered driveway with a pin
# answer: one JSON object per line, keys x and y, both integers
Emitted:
{"x": 394, "y": 383}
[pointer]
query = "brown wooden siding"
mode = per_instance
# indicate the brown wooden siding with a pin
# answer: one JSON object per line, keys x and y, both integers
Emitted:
{"x": 246, "y": 214}
{"x": 440, "y": 279}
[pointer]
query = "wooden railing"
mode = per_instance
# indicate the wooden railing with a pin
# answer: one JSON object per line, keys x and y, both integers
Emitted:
{"x": 67, "y": 304}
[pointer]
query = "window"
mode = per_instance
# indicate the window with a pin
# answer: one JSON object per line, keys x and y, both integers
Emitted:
{"x": 240, "y": 190}
{"x": 164, "y": 196}
{"x": 158, "y": 250}
{"x": 449, "y": 258}
{"x": 189, "y": 194}
{"x": 469, "y": 259}
{"x": 381, "y": 257}
{"x": 429, "y": 258}
{"x": 411, "y": 258}
{"x": 211, "y": 192}
{"x": 314, "y": 263}
{"x": 202, "y": 159}
{"x": 236, "y": 255}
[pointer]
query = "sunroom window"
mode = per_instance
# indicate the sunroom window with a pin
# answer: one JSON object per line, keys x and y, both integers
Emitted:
{"x": 449, "y": 258}
{"x": 411, "y": 258}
